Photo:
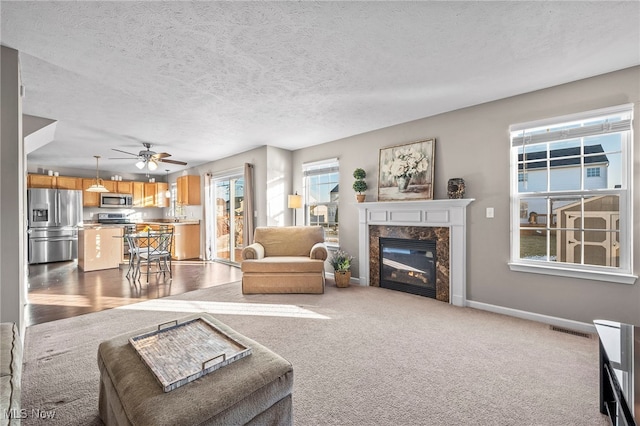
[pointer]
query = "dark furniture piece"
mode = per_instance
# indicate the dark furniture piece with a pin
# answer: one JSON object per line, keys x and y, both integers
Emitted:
{"x": 619, "y": 376}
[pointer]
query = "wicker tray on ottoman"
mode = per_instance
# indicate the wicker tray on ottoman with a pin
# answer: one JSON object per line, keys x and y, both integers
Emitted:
{"x": 185, "y": 352}
{"x": 253, "y": 390}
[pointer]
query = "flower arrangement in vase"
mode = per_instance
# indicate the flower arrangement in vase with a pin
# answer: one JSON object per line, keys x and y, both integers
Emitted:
{"x": 407, "y": 163}
{"x": 341, "y": 263}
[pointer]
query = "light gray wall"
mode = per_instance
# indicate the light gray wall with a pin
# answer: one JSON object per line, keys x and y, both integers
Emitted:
{"x": 278, "y": 186}
{"x": 257, "y": 157}
{"x": 12, "y": 190}
{"x": 473, "y": 143}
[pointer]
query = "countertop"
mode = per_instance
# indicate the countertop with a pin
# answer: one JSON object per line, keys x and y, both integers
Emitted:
{"x": 146, "y": 222}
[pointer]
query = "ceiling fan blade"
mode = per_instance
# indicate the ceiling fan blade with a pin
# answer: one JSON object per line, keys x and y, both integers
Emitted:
{"x": 182, "y": 163}
{"x": 130, "y": 153}
{"x": 121, "y": 158}
{"x": 161, "y": 155}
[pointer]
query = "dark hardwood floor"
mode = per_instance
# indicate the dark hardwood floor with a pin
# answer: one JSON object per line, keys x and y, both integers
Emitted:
{"x": 60, "y": 290}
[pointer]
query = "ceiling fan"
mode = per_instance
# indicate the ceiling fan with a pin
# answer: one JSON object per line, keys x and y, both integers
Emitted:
{"x": 149, "y": 159}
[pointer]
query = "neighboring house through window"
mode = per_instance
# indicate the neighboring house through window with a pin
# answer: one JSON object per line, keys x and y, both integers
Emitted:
{"x": 321, "y": 195}
{"x": 571, "y": 201}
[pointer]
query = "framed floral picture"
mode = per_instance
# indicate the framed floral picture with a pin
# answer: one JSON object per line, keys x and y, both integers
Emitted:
{"x": 406, "y": 171}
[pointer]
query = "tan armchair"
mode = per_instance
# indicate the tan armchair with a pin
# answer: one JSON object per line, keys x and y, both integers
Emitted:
{"x": 286, "y": 259}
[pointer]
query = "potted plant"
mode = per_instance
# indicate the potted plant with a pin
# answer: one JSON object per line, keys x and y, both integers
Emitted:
{"x": 359, "y": 185}
{"x": 341, "y": 262}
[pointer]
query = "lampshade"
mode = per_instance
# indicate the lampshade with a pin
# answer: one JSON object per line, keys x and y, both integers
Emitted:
{"x": 294, "y": 201}
{"x": 140, "y": 164}
{"x": 152, "y": 165}
{"x": 97, "y": 185}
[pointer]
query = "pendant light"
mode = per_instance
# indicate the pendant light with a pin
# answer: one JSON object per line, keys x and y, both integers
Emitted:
{"x": 167, "y": 193}
{"x": 97, "y": 185}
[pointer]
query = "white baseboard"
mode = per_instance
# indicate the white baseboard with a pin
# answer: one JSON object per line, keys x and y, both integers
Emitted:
{"x": 558, "y": 322}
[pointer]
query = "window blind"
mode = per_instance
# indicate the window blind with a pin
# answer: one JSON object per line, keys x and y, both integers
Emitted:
{"x": 616, "y": 119}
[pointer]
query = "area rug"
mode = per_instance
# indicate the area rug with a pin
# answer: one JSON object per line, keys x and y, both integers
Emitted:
{"x": 361, "y": 356}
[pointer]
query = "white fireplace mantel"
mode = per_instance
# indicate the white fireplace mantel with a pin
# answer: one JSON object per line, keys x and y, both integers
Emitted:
{"x": 433, "y": 213}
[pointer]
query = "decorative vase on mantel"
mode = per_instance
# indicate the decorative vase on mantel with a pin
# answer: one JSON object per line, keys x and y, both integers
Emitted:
{"x": 403, "y": 183}
{"x": 342, "y": 278}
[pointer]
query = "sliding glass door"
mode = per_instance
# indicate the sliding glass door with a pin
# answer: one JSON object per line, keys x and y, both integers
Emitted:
{"x": 228, "y": 197}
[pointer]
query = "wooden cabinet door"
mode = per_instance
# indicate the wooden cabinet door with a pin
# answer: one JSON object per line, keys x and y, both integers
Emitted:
{"x": 68, "y": 182}
{"x": 40, "y": 181}
{"x": 124, "y": 187}
{"x": 161, "y": 197}
{"x": 150, "y": 190}
{"x": 186, "y": 243}
{"x": 111, "y": 185}
{"x": 189, "y": 190}
{"x": 89, "y": 199}
{"x": 138, "y": 194}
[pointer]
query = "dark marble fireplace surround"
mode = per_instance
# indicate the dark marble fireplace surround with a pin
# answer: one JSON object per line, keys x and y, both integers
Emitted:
{"x": 438, "y": 234}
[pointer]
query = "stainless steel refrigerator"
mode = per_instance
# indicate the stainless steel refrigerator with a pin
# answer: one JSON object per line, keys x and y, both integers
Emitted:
{"x": 54, "y": 217}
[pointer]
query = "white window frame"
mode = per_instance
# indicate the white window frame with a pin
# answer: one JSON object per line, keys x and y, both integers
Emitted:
{"x": 315, "y": 168}
{"x": 622, "y": 274}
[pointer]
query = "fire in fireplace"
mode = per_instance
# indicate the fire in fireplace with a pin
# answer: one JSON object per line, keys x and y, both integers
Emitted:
{"x": 408, "y": 265}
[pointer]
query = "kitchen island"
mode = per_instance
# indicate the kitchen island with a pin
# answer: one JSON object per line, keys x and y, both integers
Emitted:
{"x": 99, "y": 247}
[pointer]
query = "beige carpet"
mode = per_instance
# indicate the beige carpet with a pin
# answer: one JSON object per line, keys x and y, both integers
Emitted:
{"x": 361, "y": 356}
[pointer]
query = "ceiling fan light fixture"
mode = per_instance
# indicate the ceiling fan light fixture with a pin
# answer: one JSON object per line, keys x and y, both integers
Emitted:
{"x": 140, "y": 164}
{"x": 152, "y": 165}
{"x": 97, "y": 185}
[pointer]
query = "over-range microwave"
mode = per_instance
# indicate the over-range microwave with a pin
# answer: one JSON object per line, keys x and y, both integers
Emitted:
{"x": 109, "y": 199}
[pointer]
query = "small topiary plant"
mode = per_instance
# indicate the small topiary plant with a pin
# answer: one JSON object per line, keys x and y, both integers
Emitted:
{"x": 359, "y": 185}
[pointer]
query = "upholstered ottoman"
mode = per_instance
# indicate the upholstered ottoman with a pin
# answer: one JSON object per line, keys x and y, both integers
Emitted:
{"x": 254, "y": 390}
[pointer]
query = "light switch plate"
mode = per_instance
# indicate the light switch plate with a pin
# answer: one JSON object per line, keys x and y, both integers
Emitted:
{"x": 490, "y": 213}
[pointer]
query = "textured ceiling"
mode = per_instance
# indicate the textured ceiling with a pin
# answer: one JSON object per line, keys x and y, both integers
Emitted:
{"x": 205, "y": 80}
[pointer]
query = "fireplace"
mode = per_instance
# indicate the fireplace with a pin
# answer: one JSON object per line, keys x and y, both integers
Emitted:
{"x": 441, "y": 220}
{"x": 408, "y": 265}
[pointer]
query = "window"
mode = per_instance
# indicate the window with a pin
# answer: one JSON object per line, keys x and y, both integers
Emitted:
{"x": 321, "y": 197}
{"x": 593, "y": 172}
{"x": 571, "y": 203}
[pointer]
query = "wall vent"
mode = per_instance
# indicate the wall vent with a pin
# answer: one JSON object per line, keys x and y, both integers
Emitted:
{"x": 572, "y": 332}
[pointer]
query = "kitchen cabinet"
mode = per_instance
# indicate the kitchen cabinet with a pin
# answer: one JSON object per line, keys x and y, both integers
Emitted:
{"x": 161, "y": 197}
{"x": 111, "y": 185}
{"x": 99, "y": 248}
{"x": 145, "y": 194}
{"x": 138, "y": 194}
{"x": 189, "y": 190}
{"x": 68, "y": 182}
{"x": 40, "y": 181}
{"x": 53, "y": 182}
{"x": 89, "y": 199}
{"x": 186, "y": 241}
{"x": 150, "y": 190}
{"x": 123, "y": 187}
{"x": 154, "y": 195}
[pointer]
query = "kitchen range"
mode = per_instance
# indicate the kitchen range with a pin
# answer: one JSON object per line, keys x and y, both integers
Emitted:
{"x": 113, "y": 219}
{"x": 54, "y": 216}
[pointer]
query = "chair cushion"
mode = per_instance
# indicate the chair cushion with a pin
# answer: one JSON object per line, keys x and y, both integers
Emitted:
{"x": 288, "y": 240}
{"x": 283, "y": 264}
